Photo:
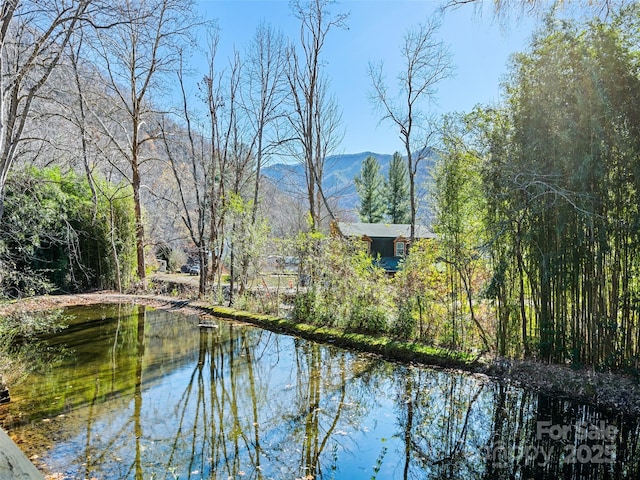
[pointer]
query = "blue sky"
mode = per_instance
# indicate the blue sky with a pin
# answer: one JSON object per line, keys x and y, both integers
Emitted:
{"x": 479, "y": 45}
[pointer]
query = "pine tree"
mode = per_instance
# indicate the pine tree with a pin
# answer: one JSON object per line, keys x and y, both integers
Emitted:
{"x": 397, "y": 191}
{"x": 370, "y": 187}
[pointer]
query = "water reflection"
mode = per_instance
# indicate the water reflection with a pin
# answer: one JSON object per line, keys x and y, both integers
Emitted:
{"x": 149, "y": 394}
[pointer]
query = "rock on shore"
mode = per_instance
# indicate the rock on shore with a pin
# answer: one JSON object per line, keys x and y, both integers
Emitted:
{"x": 13, "y": 463}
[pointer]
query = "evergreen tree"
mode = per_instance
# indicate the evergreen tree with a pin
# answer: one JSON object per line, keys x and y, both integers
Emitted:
{"x": 397, "y": 191}
{"x": 370, "y": 188}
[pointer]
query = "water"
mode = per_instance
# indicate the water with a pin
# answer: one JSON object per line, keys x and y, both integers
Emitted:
{"x": 148, "y": 394}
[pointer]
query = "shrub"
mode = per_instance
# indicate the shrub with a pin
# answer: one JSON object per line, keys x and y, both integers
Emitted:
{"x": 405, "y": 322}
{"x": 348, "y": 291}
{"x": 367, "y": 318}
{"x": 304, "y": 307}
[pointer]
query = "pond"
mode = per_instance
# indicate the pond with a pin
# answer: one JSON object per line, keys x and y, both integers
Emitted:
{"x": 142, "y": 393}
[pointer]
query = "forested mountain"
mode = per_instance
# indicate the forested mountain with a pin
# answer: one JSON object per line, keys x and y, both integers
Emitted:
{"x": 340, "y": 171}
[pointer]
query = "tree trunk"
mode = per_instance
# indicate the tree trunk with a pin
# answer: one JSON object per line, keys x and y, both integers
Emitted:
{"x": 135, "y": 183}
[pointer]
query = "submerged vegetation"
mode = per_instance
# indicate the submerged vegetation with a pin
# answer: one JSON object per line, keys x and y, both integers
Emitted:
{"x": 151, "y": 392}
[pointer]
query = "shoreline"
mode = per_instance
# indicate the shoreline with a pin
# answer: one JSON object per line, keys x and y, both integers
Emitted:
{"x": 615, "y": 392}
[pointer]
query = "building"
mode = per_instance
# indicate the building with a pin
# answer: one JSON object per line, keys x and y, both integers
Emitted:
{"x": 388, "y": 243}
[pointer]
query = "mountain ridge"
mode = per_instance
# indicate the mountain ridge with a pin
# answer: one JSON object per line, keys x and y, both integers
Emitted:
{"x": 338, "y": 179}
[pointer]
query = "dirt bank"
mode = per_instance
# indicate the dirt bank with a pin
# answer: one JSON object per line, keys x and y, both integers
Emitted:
{"x": 49, "y": 302}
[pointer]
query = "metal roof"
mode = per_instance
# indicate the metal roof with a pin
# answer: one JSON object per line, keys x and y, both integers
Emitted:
{"x": 383, "y": 230}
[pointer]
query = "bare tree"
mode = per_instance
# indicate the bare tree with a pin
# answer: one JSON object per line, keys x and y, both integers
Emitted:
{"x": 79, "y": 114}
{"x": 237, "y": 151}
{"x": 211, "y": 88}
{"x": 426, "y": 62}
{"x": 209, "y": 166}
{"x": 187, "y": 155}
{"x": 136, "y": 54}
{"x": 315, "y": 117}
{"x": 265, "y": 94}
{"x": 33, "y": 37}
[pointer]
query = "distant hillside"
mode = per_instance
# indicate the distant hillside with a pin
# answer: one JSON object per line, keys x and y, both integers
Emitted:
{"x": 340, "y": 171}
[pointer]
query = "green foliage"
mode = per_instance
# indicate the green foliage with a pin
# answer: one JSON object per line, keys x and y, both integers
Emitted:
{"x": 304, "y": 306}
{"x": 307, "y": 249}
{"x": 460, "y": 211}
{"x": 350, "y": 293}
{"x": 405, "y": 350}
{"x": 370, "y": 187}
{"x": 247, "y": 238}
{"x": 421, "y": 294}
{"x": 366, "y": 317}
{"x": 347, "y": 290}
{"x": 379, "y": 460}
{"x": 561, "y": 181}
{"x": 54, "y": 238}
{"x": 397, "y": 191}
{"x": 405, "y": 322}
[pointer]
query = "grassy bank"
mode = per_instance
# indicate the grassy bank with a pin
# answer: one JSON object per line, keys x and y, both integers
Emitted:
{"x": 379, "y": 344}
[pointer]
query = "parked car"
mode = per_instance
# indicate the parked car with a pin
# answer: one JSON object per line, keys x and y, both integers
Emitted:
{"x": 194, "y": 270}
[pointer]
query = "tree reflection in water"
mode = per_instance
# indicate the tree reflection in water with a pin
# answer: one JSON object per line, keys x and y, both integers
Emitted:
{"x": 149, "y": 394}
{"x": 455, "y": 427}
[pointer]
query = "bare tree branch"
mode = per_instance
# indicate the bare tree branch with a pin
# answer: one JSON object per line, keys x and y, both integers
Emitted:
{"x": 427, "y": 62}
